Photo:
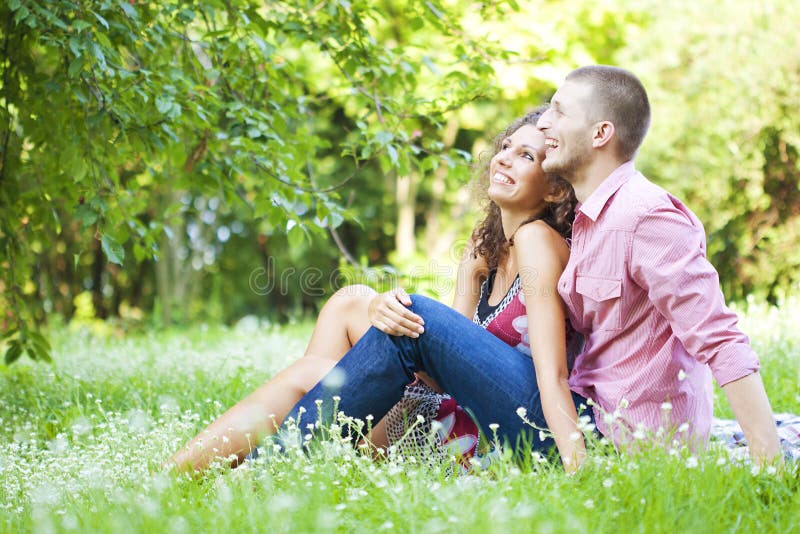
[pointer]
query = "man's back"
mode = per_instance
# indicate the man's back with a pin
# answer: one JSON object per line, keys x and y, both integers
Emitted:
{"x": 639, "y": 287}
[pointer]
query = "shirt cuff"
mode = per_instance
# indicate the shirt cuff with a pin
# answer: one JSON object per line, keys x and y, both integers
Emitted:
{"x": 733, "y": 362}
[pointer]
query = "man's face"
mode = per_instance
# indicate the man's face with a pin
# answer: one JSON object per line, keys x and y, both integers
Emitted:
{"x": 568, "y": 131}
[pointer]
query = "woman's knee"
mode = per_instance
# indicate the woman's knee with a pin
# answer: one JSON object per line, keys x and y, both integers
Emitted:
{"x": 422, "y": 305}
{"x": 355, "y": 291}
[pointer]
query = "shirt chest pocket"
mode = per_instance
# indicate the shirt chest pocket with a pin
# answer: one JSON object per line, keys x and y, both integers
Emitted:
{"x": 601, "y": 301}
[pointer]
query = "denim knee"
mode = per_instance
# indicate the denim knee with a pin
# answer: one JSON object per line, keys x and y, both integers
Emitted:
{"x": 420, "y": 304}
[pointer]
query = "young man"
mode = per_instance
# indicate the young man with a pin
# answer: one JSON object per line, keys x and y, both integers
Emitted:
{"x": 637, "y": 284}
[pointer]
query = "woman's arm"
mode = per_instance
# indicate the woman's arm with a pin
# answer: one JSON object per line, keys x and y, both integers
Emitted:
{"x": 471, "y": 274}
{"x": 541, "y": 254}
{"x": 389, "y": 313}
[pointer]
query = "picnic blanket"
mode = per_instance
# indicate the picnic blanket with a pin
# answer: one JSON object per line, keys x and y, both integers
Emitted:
{"x": 432, "y": 425}
{"x": 728, "y": 433}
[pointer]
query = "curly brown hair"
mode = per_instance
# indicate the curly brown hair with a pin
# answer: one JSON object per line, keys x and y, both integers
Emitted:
{"x": 489, "y": 240}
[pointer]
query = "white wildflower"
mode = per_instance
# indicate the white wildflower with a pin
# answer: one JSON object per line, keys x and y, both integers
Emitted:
{"x": 771, "y": 470}
{"x": 522, "y": 412}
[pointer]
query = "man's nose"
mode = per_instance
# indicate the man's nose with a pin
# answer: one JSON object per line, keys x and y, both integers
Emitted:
{"x": 544, "y": 120}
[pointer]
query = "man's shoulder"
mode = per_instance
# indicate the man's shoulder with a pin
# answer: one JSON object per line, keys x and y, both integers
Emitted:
{"x": 639, "y": 196}
{"x": 641, "y": 192}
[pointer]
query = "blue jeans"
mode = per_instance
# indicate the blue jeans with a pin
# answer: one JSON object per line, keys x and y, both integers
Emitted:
{"x": 487, "y": 377}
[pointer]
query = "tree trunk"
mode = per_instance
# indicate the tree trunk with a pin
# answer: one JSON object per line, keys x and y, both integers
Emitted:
{"x": 98, "y": 263}
{"x": 433, "y": 239}
{"x": 405, "y": 197}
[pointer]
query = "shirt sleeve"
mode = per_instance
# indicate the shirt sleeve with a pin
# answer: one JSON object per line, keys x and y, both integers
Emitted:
{"x": 668, "y": 261}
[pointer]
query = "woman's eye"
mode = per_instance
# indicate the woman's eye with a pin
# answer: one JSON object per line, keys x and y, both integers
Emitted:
{"x": 529, "y": 156}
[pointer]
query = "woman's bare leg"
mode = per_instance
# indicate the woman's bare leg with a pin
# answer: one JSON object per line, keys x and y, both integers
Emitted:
{"x": 341, "y": 323}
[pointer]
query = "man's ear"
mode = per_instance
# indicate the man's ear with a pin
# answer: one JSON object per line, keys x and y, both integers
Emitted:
{"x": 603, "y": 132}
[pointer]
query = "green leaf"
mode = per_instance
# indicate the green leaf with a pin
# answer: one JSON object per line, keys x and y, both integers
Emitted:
{"x": 336, "y": 219}
{"x": 102, "y": 21}
{"x": 295, "y": 235}
{"x": 128, "y": 9}
{"x": 38, "y": 352}
{"x": 86, "y": 215}
{"x": 19, "y": 16}
{"x": 57, "y": 221}
{"x": 14, "y": 352}
{"x": 39, "y": 339}
{"x": 103, "y": 39}
{"x": 392, "y": 153}
{"x": 75, "y": 67}
{"x": 9, "y": 333}
{"x": 80, "y": 25}
{"x": 112, "y": 249}
{"x": 163, "y": 104}
{"x": 383, "y": 137}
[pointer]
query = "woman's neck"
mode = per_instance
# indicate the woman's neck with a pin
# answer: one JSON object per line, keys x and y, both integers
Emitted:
{"x": 512, "y": 220}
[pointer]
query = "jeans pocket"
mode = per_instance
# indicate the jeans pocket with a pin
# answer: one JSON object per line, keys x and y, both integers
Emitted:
{"x": 601, "y": 300}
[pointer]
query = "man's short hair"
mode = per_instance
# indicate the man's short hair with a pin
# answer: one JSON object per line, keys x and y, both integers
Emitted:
{"x": 619, "y": 97}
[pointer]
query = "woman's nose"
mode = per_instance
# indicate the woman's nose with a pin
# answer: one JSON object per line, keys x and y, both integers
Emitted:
{"x": 502, "y": 158}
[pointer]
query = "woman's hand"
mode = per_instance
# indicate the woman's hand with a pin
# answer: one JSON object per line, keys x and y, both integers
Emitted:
{"x": 389, "y": 314}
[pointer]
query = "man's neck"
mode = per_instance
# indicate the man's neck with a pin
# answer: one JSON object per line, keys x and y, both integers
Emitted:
{"x": 588, "y": 179}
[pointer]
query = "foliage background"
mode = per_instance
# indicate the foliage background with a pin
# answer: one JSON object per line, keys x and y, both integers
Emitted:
{"x": 176, "y": 162}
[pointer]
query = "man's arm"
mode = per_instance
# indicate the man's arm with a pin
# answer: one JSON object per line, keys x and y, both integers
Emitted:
{"x": 668, "y": 260}
{"x": 751, "y": 407}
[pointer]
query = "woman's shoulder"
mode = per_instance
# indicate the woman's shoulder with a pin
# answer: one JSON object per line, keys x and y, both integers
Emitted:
{"x": 538, "y": 241}
{"x": 538, "y": 234}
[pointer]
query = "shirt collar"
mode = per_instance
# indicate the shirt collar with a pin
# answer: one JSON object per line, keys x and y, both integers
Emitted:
{"x": 599, "y": 197}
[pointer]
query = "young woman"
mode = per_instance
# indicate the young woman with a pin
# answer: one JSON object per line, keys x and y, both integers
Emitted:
{"x": 509, "y": 276}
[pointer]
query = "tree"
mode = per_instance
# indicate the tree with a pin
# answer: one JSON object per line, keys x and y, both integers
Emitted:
{"x": 112, "y": 108}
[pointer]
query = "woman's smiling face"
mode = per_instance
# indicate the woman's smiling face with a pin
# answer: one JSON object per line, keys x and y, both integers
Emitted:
{"x": 516, "y": 179}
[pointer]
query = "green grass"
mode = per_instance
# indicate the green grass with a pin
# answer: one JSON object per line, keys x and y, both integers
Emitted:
{"x": 82, "y": 440}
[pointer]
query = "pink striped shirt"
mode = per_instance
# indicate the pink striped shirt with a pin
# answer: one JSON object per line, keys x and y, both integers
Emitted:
{"x": 639, "y": 287}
